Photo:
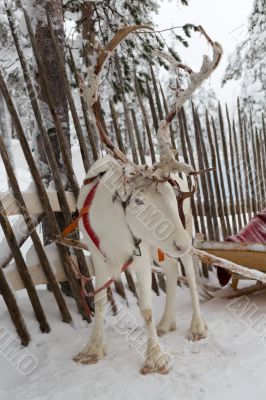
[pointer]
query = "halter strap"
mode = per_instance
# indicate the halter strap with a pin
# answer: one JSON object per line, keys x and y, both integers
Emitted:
{"x": 180, "y": 199}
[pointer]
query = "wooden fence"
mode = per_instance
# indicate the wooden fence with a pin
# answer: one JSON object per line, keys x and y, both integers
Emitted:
{"x": 226, "y": 200}
{"x": 228, "y": 197}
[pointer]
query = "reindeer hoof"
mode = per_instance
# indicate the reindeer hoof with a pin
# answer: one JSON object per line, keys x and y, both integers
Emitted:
{"x": 86, "y": 359}
{"x": 156, "y": 362}
{"x": 91, "y": 355}
{"x": 195, "y": 336}
{"x": 145, "y": 370}
{"x": 164, "y": 328}
{"x": 198, "y": 330}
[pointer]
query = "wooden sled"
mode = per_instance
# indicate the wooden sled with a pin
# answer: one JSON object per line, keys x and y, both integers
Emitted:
{"x": 249, "y": 255}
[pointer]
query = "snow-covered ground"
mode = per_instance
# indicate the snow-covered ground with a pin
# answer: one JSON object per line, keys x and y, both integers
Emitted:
{"x": 229, "y": 364}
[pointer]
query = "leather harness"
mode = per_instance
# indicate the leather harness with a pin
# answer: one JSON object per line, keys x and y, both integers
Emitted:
{"x": 84, "y": 213}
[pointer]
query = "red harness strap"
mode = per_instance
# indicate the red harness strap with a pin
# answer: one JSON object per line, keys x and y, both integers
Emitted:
{"x": 76, "y": 217}
{"x": 80, "y": 213}
{"x": 86, "y": 217}
{"x": 110, "y": 281}
{"x": 83, "y": 291}
{"x": 160, "y": 255}
{"x": 84, "y": 214}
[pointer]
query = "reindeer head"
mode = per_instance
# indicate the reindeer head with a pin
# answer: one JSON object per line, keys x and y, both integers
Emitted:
{"x": 147, "y": 194}
{"x": 152, "y": 214}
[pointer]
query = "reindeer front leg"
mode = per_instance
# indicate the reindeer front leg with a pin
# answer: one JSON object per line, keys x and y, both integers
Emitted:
{"x": 198, "y": 328}
{"x": 96, "y": 347}
{"x": 156, "y": 359}
{"x": 168, "y": 320}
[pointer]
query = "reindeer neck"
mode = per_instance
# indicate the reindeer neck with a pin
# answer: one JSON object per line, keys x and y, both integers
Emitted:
{"x": 108, "y": 220}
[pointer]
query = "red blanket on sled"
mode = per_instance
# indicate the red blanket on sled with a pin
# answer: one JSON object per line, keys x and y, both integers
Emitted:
{"x": 253, "y": 232}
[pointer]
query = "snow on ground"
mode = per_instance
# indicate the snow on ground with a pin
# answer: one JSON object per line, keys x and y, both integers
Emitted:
{"x": 228, "y": 365}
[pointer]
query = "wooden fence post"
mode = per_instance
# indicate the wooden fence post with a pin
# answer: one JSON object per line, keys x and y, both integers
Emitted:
{"x": 239, "y": 181}
{"x": 92, "y": 141}
{"x": 214, "y": 232}
{"x": 137, "y": 133}
{"x": 221, "y": 180}
{"x": 41, "y": 192}
{"x": 186, "y": 159}
{"x": 13, "y": 309}
{"x": 232, "y": 168}
{"x": 34, "y": 235}
{"x": 192, "y": 162}
{"x": 67, "y": 89}
{"x": 205, "y": 200}
{"x": 116, "y": 127}
{"x": 23, "y": 270}
{"x": 227, "y": 174}
{"x": 61, "y": 137}
{"x": 128, "y": 124}
{"x": 146, "y": 122}
{"x": 252, "y": 200}
{"x": 215, "y": 179}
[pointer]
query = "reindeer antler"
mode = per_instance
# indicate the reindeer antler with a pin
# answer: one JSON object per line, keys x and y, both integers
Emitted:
{"x": 91, "y": 93}
{"x": 168, "y": 162}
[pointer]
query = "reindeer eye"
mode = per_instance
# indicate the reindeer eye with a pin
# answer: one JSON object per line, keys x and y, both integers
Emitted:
{"x": 139, "y": 202}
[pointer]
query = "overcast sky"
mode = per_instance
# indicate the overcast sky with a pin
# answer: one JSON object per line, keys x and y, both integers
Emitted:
{"x": 224, "y": 20}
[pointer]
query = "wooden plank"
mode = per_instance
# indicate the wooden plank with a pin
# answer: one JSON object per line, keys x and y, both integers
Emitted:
{"x": 38, "y": 276}
{"x": 33, "y": 202}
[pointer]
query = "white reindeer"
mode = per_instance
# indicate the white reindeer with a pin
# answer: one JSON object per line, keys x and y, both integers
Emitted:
{"x": 120, "y": 229}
